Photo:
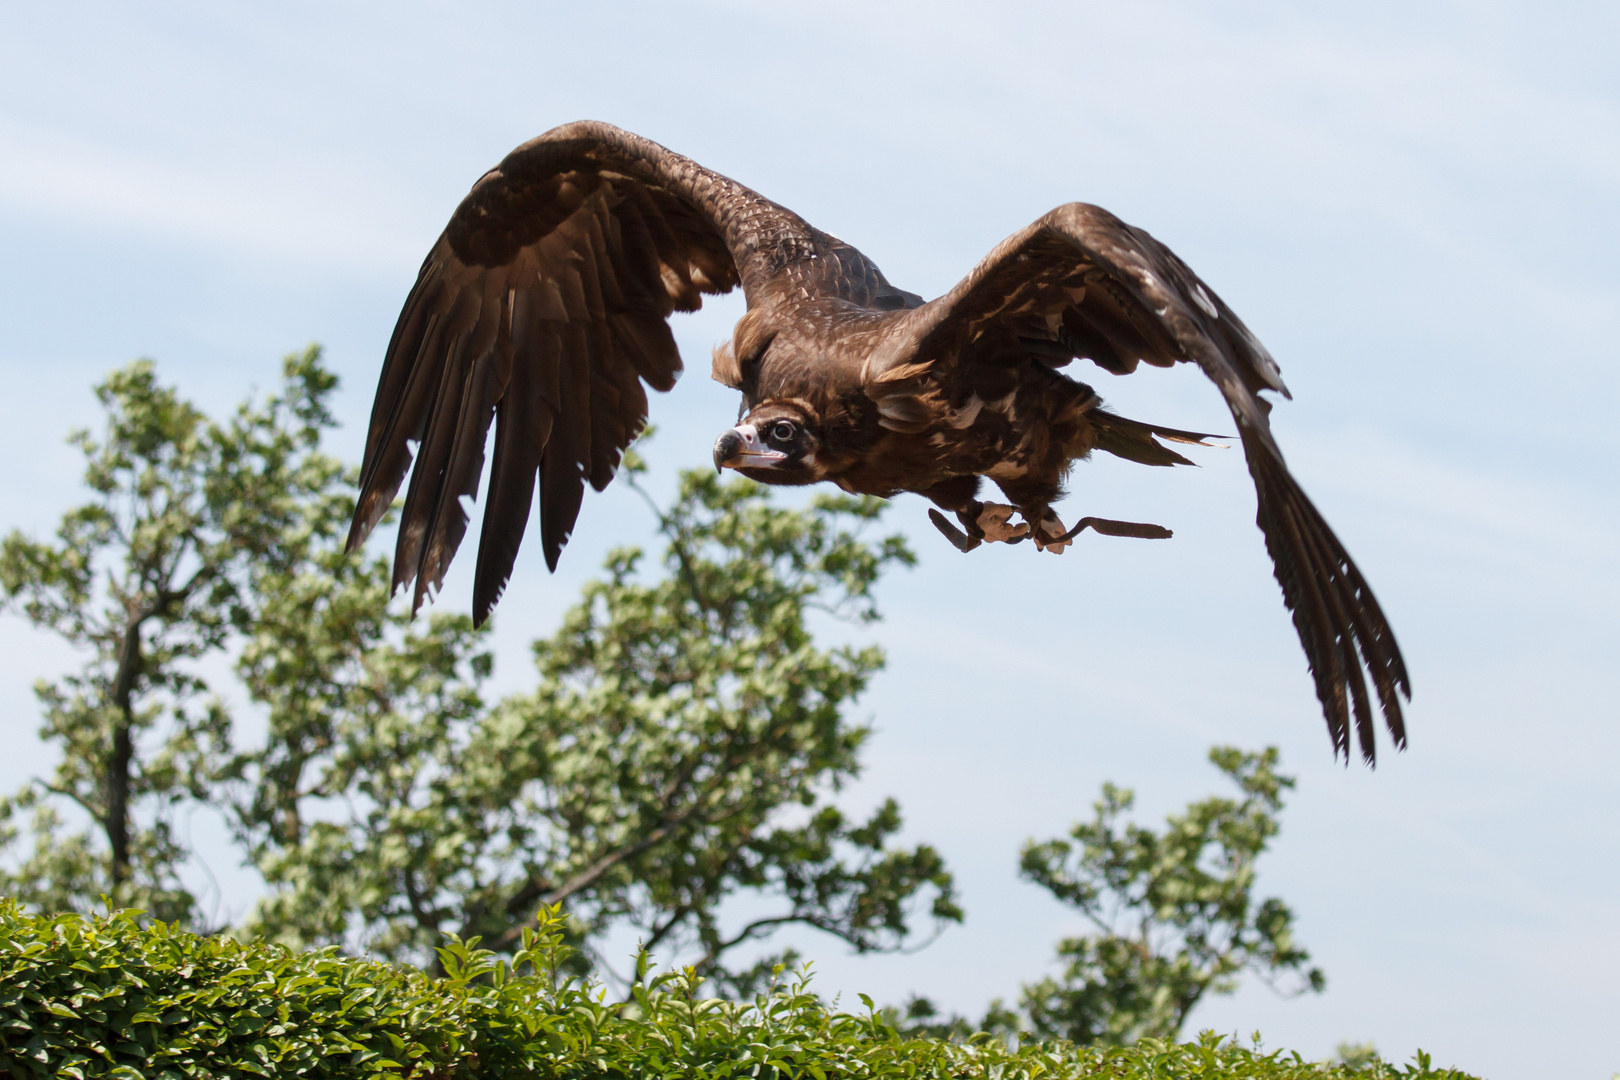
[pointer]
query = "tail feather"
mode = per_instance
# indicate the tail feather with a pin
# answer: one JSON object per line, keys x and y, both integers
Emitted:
{"x": 1134, "y": 441}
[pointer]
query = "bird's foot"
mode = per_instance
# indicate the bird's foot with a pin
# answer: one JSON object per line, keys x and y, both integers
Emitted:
{"x": 1050, "y": 535}
{"x": 986, "y": 522}
{"x": 994, "y": 523}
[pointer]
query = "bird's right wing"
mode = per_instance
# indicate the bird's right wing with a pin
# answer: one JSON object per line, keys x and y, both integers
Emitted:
{"x": 543, "y": 306}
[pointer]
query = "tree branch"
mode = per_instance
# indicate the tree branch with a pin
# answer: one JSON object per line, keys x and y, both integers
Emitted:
{"x": 98, "y": 816}
{"x": 595, "y": 872}
{"x": 123, "y": 744}
{"x": 670, "y": 923}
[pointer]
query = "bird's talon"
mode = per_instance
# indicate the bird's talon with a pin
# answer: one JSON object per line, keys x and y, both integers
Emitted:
{"x": 1051, "y": 535}
{"x": 993, "y": 522}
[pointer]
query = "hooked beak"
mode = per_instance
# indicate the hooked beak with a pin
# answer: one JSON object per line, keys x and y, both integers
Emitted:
{"x": 740, "y": 448}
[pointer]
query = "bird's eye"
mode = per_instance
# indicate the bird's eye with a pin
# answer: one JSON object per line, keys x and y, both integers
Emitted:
{"x": 782, "y": 431}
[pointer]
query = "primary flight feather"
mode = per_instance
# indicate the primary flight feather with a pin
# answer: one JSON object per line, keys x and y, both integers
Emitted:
{"x": 544, "y": 308}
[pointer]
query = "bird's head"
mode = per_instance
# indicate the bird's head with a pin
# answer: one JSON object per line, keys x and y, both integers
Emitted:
{"x": 776, "y": 443}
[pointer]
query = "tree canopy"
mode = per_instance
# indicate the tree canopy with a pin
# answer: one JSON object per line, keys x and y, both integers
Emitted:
{"x": 1174, "y": 913}
{"x": 684, "y": 742}
{"x": 1173, "y": 917}
{"x": 152, "y": 574}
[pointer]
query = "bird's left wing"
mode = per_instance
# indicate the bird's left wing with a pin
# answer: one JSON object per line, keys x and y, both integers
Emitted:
{"x": 543, "y": 306}
{"x": 1081, "y": 283}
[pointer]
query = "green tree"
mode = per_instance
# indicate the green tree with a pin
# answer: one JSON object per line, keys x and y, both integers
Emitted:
{"x": 1174, "y": 911}
{"x": 682, "y": 748}
{"x": 147, "y": 578}
{"x": 679, "y": 749}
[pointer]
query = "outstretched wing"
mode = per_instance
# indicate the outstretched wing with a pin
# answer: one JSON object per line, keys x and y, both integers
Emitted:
{"x": 543, "y": 306}
{"x": 1081, "y": 283}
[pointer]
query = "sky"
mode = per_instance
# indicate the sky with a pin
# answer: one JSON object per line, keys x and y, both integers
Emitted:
{"x": 1414, "y": 205}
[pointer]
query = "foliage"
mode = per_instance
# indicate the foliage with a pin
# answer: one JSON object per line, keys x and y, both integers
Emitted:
{"x": 1174, "y": 911}
{"x": 644, "y": 781}
{"x": 105, "y": 997}
{"x": 681, "y": 748}
{"x": 1356, "y": 1055}
{"x": 147, "y": 578}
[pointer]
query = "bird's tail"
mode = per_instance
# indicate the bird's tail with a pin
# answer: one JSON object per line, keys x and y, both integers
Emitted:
{"x": 1134, "y": 440}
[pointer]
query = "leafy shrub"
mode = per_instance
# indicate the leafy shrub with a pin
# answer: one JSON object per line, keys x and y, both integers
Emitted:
{"x": 106, "y": 997}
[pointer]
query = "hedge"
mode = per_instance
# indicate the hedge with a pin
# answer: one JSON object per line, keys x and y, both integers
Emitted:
{"x": 105, "y": 996}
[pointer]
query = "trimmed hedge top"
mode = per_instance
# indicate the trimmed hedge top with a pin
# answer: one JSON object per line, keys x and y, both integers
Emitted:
{"x": 104, "y": 996}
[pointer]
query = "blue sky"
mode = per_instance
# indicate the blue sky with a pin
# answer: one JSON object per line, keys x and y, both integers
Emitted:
{"x": 1413, "y": 205}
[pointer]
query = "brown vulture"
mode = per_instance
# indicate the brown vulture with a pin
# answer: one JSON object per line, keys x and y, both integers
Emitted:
{"x": 544, "y": 307}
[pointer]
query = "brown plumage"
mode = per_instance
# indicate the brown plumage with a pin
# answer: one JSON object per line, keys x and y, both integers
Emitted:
{"x": 544, "y": 307}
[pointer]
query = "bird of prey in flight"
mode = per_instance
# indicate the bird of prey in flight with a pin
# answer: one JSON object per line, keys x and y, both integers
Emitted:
{"x": 544, "y": 307}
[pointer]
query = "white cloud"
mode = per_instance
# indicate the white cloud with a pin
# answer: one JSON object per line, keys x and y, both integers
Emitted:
{"x": 311, "y": 215}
